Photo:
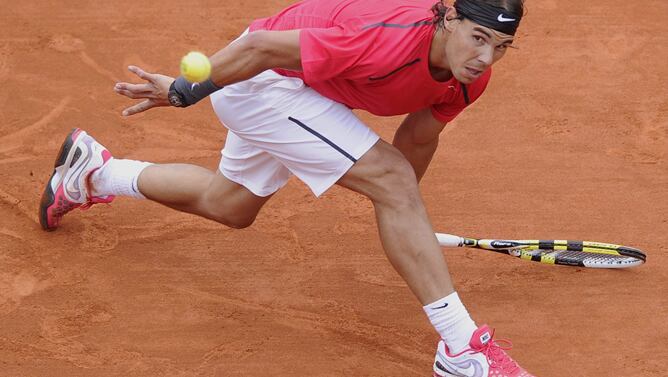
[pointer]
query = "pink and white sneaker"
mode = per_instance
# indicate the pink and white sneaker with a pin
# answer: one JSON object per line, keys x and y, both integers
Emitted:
{"x": 484, "y": 358}
{"x": 69, "y": 186}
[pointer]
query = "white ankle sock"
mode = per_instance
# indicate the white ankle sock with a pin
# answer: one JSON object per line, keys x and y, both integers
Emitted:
{"x": 452, "y": 321}
{"x": 118, "y": 177}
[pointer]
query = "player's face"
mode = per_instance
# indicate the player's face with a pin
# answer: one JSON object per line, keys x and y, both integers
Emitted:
{"x": 471, "y": 49}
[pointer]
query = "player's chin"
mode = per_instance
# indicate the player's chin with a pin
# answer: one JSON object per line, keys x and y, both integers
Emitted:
{"x": 467, "y": 75}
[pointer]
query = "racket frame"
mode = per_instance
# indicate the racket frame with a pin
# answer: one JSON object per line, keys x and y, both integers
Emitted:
{"x": 546, "y": 251}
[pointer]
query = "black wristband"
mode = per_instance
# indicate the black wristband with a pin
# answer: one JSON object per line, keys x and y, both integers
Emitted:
{"x": 175, "y": 98}
{"x": 191, "y": 93}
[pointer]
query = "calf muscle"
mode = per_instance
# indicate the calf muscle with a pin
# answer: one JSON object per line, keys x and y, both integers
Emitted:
{"x": 385, "y": 177}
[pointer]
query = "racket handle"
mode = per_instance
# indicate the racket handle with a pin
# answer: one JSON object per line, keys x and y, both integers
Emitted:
{"x": 449, "y": 240}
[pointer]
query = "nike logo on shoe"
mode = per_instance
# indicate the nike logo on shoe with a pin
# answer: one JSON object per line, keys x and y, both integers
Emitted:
{"x": 72, "y": 186}
{"x": 502, "y": 18}
{"x": 470, "y": 367}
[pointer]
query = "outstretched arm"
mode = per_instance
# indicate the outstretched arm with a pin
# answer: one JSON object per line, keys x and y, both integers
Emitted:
{"x": 417, "y": 139}
{"x": 241, "y": 60}
{"x": 254, "y": 53}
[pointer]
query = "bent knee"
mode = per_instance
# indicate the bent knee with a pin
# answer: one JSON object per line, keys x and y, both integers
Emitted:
{"x": 230, "y": 204}
{"x": 240, "y": 223}
{"x": 233, "y": 221}
{"x": 230, "y": 215}
{"x": 398, "y": 188}
{"x": 388, "y": 178}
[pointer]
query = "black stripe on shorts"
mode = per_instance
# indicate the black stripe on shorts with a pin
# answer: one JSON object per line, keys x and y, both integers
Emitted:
{"x": 321, "y": 137}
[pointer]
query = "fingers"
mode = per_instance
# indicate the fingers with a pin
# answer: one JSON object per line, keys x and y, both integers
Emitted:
{"x": 135, "y": 95}
{"x": 154, "y": 88}
{"x": 135, "y": 88}
{"x": 136, "y": 91}
{"x": 141, "y": 73}
{"x": 152, "y": 92}
{"x": 138, "y": 108}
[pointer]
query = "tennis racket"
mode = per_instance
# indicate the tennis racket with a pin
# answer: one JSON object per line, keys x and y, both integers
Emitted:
{"x": 568, "y": 253}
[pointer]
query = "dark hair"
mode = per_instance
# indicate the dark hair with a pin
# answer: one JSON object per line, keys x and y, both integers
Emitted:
{"x": 512, "y": 6}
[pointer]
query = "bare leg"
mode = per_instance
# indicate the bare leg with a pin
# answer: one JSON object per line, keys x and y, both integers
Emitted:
{"x": 382, "y": 174}
{"x": 386, "y": 177}
{"x": 196, "y": 190}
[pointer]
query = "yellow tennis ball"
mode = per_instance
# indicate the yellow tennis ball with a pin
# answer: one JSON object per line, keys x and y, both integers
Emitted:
{"x": 195, "y": 67}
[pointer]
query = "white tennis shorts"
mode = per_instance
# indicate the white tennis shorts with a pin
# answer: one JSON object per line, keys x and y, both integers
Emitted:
{"x": 278, "y": 126}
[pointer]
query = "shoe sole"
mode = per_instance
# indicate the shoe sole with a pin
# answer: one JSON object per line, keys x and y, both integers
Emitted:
{"x": 48, "y": 196}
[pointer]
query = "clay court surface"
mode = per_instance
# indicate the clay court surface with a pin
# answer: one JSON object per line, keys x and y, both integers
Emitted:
{"x": 570, "y": 141}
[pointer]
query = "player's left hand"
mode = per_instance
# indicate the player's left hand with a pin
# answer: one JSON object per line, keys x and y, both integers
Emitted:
{"x": 154, "y": 91}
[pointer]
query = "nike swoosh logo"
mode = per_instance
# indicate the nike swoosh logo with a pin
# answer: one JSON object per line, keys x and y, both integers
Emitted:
{"x": 441, "y": 307}
{"x": 501, "y": 18}
{"x": 470, "y": 367}
{"x": 192, "y": 87}
{"x": 72, "y": 185}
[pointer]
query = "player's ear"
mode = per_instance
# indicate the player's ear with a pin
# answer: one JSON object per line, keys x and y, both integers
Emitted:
{"x": 451, "y": 19}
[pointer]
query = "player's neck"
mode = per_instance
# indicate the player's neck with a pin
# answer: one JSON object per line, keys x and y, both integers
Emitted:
{"x": 438, "y": 63}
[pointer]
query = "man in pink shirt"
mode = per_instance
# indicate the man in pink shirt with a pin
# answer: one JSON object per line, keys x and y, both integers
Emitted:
{"x": 357, "y": 60}
{"x": 285, "y": 89}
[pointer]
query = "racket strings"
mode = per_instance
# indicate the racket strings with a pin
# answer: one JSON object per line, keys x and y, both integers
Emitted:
{"x": 583, "y": 257}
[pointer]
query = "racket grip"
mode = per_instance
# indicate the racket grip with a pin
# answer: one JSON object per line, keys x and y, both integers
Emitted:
{"x": 449, "y": 240}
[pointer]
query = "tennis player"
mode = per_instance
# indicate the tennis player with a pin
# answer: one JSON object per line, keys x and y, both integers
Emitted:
{"x": 285, "y": 90}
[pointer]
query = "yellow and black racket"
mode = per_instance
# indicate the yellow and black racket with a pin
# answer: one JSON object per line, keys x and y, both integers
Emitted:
{"x": 562, "y": 252}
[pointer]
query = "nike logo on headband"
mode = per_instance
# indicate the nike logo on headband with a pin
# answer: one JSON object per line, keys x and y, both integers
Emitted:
{"x": 501, "y": 18}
